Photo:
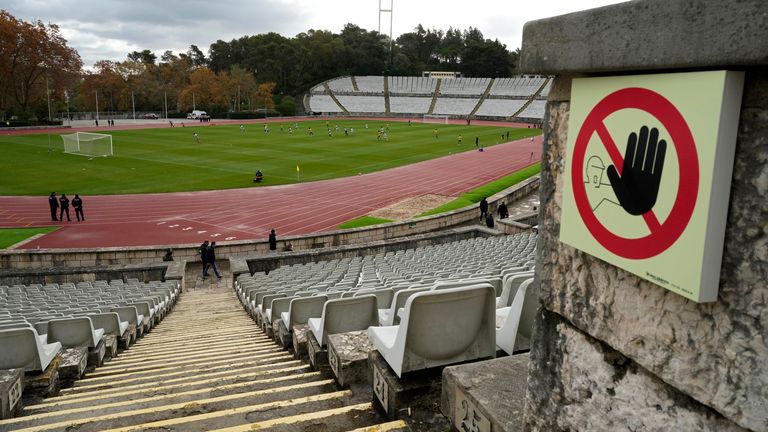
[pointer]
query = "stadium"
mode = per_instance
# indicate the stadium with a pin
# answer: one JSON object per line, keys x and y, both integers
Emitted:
{"x": 366, "y": 231}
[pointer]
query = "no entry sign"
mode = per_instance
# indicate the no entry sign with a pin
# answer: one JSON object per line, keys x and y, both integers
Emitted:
{"x": 647, "y": 174}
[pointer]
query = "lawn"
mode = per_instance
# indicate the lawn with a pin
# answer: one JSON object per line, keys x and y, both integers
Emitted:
{"x": 168, "y": 160}
{"x": 11, "y": 236}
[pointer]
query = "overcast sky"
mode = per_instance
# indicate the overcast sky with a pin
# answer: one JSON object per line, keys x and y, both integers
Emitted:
{"x": 111, "y": 29}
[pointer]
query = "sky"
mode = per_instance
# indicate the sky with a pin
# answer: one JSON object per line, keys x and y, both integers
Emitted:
{"x": 110, "y": 29}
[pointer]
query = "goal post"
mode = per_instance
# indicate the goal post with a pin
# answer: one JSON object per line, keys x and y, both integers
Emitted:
{"x": 88, "y": 144}
{"x": 434, "y": 118}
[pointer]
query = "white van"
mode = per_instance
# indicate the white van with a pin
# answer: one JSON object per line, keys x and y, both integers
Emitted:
{"x": 196, "y": 114}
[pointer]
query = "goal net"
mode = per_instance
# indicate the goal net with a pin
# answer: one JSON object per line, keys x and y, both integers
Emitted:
{"x": 88, "y": 144}
{"x": 433, "y": 118}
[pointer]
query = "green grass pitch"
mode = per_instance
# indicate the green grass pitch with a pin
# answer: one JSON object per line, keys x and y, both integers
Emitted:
{"x": 168, "y": 160}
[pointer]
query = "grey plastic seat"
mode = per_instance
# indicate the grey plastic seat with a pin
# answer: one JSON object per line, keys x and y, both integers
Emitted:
{"x": 279, "y": 305}
{"x": 388, "y": 316}
{"x": 74, "y": 332}
{"x": 511, "y": 284}
{"x": 345, "y": 315}
{"x": 302, "y": 309}
{"x": 384, "y": 295}
{"x": 517, "y": 326}
{"x": 129, "y": 314}
{"x": 22, "y": 348}
{"x": 440, "y": 327}
{"x": 109, "y": 322}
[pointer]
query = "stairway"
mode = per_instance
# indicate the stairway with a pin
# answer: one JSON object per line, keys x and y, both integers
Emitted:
{"x": 206, "y": 367}
{"x": 386, "y": 95}
{"x": 482, "y": 98}
{"x": 434, "y": 96}
{"x": 530, "y": 100}
{"x": 333, "y": 97}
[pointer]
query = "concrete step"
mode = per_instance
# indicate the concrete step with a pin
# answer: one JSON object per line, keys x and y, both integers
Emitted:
{"x": 206, "y": 366}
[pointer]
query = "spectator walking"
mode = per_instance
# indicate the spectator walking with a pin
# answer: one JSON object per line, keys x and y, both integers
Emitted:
{"x": 77, "y": 203}
{"x": 272, "y": 240}
{"x": 204, "y": 257}
{"x": 503, "y": 211}
{"x": 64, "y": 204}
{"x": 210, "y": 261}
{"x": 483, "y": 209}
{"x": 53, "y": 203}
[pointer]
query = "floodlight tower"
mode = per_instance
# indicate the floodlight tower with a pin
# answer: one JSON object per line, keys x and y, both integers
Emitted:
{"x": 385, "y": 7}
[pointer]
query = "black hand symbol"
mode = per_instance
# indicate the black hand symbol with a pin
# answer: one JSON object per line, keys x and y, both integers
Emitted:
{"x": 638, "y": 186}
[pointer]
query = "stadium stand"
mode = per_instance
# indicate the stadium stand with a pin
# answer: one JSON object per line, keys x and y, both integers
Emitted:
{"x": 516, "y": 98}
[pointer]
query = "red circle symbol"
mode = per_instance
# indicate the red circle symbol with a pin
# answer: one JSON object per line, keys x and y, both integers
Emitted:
{"x": 664, "y": 234}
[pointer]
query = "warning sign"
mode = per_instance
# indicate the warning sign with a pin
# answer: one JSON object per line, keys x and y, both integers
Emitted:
{"x": 647, "y": 174}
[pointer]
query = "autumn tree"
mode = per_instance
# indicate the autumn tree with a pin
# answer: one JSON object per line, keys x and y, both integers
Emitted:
{"x": 32, "y": 53}
{"x": 204, "y": 91}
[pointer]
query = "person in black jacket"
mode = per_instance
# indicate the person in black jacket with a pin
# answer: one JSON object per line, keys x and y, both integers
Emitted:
{"x": 483, "y": 209}
{"x": 272, "y": 240}
{"x": 53, "y": 203}
{"x": 64, "y": 204}
{"x": 210, "y": 260}
{"x": 204, "y": 256}
{"x": 77, "y": 203}
{"x": 503, "y": 211}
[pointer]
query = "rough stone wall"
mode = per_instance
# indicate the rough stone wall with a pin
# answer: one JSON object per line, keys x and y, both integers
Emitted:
{"x": 715, "y": 353}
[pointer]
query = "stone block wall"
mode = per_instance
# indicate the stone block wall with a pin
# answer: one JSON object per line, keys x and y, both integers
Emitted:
{"x": 613, "y": 351}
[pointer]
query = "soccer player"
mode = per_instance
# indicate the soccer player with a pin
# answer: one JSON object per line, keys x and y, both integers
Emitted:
{"x": 266, "y": 128}
{"x": 434, "y": 133}
{"x": 290, "y": 130}
{"x": 242, "y": 128}
{"x": 311, "y": 132}
{"x": 460, "y": 139}
{"x": 196, "y": 137}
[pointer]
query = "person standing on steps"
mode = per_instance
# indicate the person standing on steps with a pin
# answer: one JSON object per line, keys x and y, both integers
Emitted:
{"x": 272, "y": 240}
{"x": 211, "y": 260}
{"x": 64, "y": 204}
{"x": 53, "y": 203}
{"x": 483, "y": 209}
{"x": 204, "y": 257}
{"x": 503, "y": 211}
{"x": 77, "y": 203}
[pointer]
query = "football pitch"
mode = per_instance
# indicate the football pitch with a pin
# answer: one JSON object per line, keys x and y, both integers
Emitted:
{"x": 169, "y": 160}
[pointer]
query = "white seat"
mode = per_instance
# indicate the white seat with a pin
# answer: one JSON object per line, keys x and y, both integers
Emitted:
{"x": 388, "y": 316}
{"x": 74, "y": 332}
{"x": 302, "y": 309}
{"x": 279, "y": 305}
{"x": 22, "y": 348}
{"x": 345, "y": 315}
{"x": 129, "y": 314}
{"x": 511, "y": 284}
{"x": 517, "y": 319}
{"x": 110, "y": 322}
{"x": 384, "y": 295}
{"x": 438, "y": 328}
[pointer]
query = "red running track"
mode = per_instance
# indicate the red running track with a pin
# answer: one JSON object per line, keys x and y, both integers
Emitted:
{"x": 239, "y": 214}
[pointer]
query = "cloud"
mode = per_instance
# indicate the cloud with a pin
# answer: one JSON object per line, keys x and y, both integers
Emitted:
{"x": 110, "y": 30}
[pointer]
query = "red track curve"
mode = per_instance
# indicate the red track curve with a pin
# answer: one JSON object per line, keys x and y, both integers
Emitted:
{"x": 190, "y": 217}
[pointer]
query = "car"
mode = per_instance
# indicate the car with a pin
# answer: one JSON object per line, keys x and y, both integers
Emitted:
{"x": 152, "y": 116}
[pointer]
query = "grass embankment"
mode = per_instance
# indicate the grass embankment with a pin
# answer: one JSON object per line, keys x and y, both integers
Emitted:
{"x": 168, "y": 160}
{"x": 476, "y": 195}
{"x": 11, "y": 236}
{"x": 363, "y": 221}
{"x": 466, "y": 199}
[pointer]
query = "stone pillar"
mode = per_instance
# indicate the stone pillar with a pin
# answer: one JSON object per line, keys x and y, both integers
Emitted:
{"x": 615, "y": 352}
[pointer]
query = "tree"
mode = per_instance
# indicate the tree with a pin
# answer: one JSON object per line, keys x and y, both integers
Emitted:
{"x": 34, "y": 58}
{"x": 204, "y": 91}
